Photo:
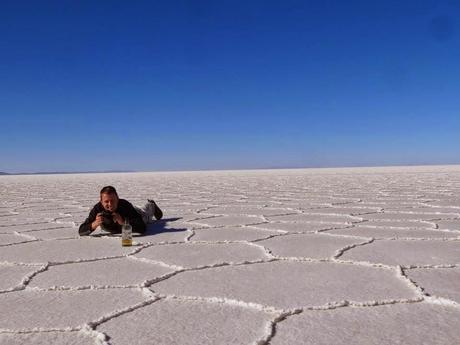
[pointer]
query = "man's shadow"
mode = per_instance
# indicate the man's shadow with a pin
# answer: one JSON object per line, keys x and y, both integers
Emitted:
{"x": 155, "y": 228}
{"x": 160, "y": 226}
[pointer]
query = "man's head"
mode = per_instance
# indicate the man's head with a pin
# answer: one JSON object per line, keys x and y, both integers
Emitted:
{"x": 109, "y": 198}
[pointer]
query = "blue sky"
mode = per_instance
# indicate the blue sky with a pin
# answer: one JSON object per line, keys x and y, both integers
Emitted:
{"x": 186, "y": 85}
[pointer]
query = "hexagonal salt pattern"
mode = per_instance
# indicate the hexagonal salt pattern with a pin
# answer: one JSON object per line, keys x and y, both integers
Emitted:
{"x": 110, "y": 272}
{"x": 50, "y": 234}
{"x": 20, "y": 227}
{"x": 62, "y": 309}
{"x": 202, "y": 254}
{"x": 6, "y": 239}
{"x": 304, "y": 227}
{"x": 228, "y": 220}
{"x": 444, "y": 283}
{"x": 390, "y": 233}
{"x": 63, "y": 250}
{"x": 419, "y": 323}
{"x": 13, "y": 275}
{"x": 408, "y": 252}
{"x": 313, "y": 246}
{"x": 232, "y": 234}
{"x": 449, "y": 224}
{"x": 315, "y": 256}
{"x": 188, "y": 322}
{"x": 290, "y": 284}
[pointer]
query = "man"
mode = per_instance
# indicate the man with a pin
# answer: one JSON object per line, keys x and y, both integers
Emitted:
{"x": 111, "y": 212}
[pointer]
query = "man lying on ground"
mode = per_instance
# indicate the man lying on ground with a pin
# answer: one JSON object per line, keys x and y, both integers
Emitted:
{"x": 110, "y": 214}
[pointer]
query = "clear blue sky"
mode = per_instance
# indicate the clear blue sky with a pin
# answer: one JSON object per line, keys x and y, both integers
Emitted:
{"x": 184, "y": 85}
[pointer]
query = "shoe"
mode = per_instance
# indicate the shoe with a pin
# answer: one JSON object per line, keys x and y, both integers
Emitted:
{"x": 156, "y": 210}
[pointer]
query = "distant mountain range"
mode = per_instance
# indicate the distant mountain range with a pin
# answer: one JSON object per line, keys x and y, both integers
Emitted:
{"x": 66, "y": 172}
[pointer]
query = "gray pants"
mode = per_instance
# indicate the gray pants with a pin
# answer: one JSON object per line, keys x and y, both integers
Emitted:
{"x": 146, "y": 212}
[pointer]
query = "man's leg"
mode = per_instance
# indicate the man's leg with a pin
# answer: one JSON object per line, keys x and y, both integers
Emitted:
{"x": 144, "y": 215}
{"x": 156, "y": 211}
{"x": 149, "y": 211}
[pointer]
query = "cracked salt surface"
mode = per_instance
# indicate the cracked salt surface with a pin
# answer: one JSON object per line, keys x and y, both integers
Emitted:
{"x": 12, "y": 276}
{"x": 400, "y": 216}
{"x": 408, "y": 252}
{"x": 443, "y": 283}
{"x": 389, "y": 233}
{"x": 47, "y": 338}
{"x": 54, "y": 310}
{"x": 301, "y": 227}
{"x": 248, "y": 210}
{"x": 232, "y": 234}
{"x": 290, "y": 284}
{"x": 314, "y": 217}
{"x": 214, "y": 221}
{"x": 63, "y": 250}
{"x": 419, "y": 323}
{"x": 202, "y": 254}
{"x": 27, "y": 227}
{"x": 175, "y": 321}
{"x": 59, "y": 233}
{"x": 318, "y": 256}
{"x": 7, "y": 239}
{"x": 113, "y": 272}
{"x": 449, "y": 224}
{"x": 401, "y": 224}
{"x": 307, "y": 245}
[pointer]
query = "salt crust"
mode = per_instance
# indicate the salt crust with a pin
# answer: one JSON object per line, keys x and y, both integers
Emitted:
{"x": 420, "y": 323}
{"x": 408, "y": 216}
{"x": 317, "y": 217}
{"x": 348, "y": 211}
{"x": 51, "y": 234}
{"x": 408, "y": 252}
{"x": 394, "y": 233}
{"x": 276, "y": 284}
{"x": 214, "y": 221}
{"x": 223, "y": 234}
{"x": 398, "y": 224}
{"x": 15, "y": 277}
{"x": 304, "y": 227}
{"x": 438, "y": 283}
{"x": 19, "y": 228}
{"x": 118, "y": 272}
{"x": 47, "y": 338}
{"x": 61, "y": 251}
{"x": 14, "y": 238}
{"x": 174, "y": 321}
{"x": 316, "y": 246}
{"x": 203, "y": 254}
{"x": 248, "y": 210}
{"x": 316, "y": 198}
{"x": 449, "y": 224}
{"x": 66, "y": 309}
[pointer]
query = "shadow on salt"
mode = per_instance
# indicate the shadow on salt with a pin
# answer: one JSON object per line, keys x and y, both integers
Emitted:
{"x": 163, "y": 226}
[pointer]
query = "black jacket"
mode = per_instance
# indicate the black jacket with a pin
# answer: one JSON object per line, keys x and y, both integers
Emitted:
{"x": 125, "y": 209}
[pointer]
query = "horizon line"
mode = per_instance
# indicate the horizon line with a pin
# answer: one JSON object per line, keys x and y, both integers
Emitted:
{"x": 2, "y": 173}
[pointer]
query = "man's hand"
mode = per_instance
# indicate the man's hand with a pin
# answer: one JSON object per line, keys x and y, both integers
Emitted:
{"x": 117, "y": 218}
{"x": 97, "y": 222}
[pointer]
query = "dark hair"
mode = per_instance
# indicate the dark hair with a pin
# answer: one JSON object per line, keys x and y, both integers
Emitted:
{"x": 108, "y": 190}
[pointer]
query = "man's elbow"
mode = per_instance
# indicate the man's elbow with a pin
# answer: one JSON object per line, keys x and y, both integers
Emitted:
{"x": 82, "y": 231}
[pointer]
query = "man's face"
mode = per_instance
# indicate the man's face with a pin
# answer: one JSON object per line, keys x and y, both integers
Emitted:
{"x": 109, "y": 201}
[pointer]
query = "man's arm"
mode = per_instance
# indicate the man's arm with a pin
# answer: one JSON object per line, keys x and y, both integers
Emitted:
{"x": 86, "y": 227}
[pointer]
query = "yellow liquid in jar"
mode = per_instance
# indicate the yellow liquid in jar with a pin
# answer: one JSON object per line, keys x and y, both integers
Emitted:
{"x": 127, "y": 242}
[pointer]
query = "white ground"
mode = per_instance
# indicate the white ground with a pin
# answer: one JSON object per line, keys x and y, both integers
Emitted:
{"x": 319, "y": 256}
